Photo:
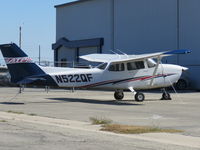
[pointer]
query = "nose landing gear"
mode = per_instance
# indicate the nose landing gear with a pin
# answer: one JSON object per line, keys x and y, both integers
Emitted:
{"x": 165, "y": 95}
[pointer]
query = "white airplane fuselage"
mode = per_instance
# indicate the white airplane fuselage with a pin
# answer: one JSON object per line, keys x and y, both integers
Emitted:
{"x": 165, "y": 76}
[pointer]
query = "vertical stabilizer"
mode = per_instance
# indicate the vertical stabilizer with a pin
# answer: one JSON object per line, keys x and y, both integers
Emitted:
{"x": 20, "y": 66}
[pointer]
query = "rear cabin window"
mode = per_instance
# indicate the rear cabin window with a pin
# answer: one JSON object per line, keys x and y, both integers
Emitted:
{"x": 116, "y": 67}
{"x": 135, "y": 65}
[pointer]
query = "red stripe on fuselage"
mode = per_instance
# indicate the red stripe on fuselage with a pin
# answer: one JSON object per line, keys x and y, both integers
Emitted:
{"x": 124, "y": 80}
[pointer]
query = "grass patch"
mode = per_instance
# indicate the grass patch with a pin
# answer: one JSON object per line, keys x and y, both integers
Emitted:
{"x": 3, "y": 121}
{"x": 15, "y": 112}
{"x": 98, "y": 121}
{"x": 129, "y": 129}
{"x": 18, "y": 112}
{"x": 32, "y": 114}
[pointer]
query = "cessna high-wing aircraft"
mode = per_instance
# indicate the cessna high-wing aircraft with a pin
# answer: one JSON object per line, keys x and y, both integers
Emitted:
{"x": 117, "y": 72}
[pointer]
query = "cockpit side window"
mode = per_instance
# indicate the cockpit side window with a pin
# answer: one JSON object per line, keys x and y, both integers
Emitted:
{"x": 135, "y": 65}
{"x": 116, "y": 67}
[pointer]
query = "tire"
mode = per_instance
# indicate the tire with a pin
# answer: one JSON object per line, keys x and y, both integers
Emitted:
{"x": 118, "y": 95}
{"x": 139, "y": 97}
{"x": 166, "y": 96}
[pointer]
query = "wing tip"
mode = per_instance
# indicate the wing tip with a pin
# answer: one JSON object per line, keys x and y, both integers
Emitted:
{"x": 178, "y": 51}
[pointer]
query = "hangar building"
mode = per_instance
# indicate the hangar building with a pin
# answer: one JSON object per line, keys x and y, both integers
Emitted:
{"x": 132, "y": 26}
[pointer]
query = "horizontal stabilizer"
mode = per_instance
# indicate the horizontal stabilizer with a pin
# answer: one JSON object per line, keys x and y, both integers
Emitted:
{"x": 30, "y": 80}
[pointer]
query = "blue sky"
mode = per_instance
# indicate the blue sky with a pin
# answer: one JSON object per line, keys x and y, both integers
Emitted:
{"x": 38, "y": 21}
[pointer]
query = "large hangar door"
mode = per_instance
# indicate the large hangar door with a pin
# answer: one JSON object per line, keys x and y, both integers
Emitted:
{"x": 87, "y": 50}
{"x": 71, "y": 50}
{"x": 66, "y": 57}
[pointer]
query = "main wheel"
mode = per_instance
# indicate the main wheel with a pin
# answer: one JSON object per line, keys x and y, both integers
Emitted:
{"x": 139, "y": 97}
{"x": 166, "y": 96}
{"x": 119, "y": 95}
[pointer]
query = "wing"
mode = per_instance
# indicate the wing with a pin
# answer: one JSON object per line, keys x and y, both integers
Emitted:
{"x": 103, "y": 57}
{"x": 124, "y": 58}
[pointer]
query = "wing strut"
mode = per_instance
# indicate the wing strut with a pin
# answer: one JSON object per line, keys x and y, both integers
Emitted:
{"x": 132, "y": 90}
{"x": 155, "y": 70}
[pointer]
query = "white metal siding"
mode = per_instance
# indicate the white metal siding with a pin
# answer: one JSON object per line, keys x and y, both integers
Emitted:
{"x": 90, "y": 19}
{"x": 143, "y": 26}
{"x": 190, "y": 38}
{"x": 190, "y": 31}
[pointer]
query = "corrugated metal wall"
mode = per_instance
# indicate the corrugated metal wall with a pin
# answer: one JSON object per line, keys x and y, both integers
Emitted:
{"x": 137, "y": 26}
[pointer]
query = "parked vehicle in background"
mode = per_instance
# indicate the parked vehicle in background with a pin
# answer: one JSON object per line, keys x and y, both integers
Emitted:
{"x": 4, "y": 76}
{"x": 183, "y": 82}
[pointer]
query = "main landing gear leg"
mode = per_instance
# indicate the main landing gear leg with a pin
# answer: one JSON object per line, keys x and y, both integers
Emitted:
{"x": 139, "y": 97}
{"x": 21, "y": 88}
{"x": 165, "y": 95}
{"x": 119, "y": 95}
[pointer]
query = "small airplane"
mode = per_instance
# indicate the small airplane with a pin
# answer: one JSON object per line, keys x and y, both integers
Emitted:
{"x": 117, "y": 72}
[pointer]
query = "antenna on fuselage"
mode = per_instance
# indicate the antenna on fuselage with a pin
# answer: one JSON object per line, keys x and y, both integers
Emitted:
{"x": 115, "y": 53}
{"x": 123, "y": 53}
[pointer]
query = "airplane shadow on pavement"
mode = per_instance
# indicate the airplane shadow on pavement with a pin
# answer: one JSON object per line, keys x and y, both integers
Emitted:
{"x": 12, "y": 103}
{"x": 92, "y": 101}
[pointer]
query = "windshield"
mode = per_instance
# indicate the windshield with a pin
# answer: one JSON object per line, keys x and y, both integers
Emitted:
{"x": 102, "y": 66}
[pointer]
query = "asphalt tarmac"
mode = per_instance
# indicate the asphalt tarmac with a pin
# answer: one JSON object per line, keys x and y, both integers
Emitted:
{"x": 59, "y": 119}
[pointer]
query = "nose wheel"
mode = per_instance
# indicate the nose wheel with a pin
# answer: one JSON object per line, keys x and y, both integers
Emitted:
{"x": 166, "y": 95}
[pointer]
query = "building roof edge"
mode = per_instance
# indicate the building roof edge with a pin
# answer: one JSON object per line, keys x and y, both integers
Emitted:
{"x": 70, "y": 3}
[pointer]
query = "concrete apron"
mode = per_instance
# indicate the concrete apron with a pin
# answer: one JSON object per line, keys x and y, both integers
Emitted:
{"x": 165, "y": 138}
